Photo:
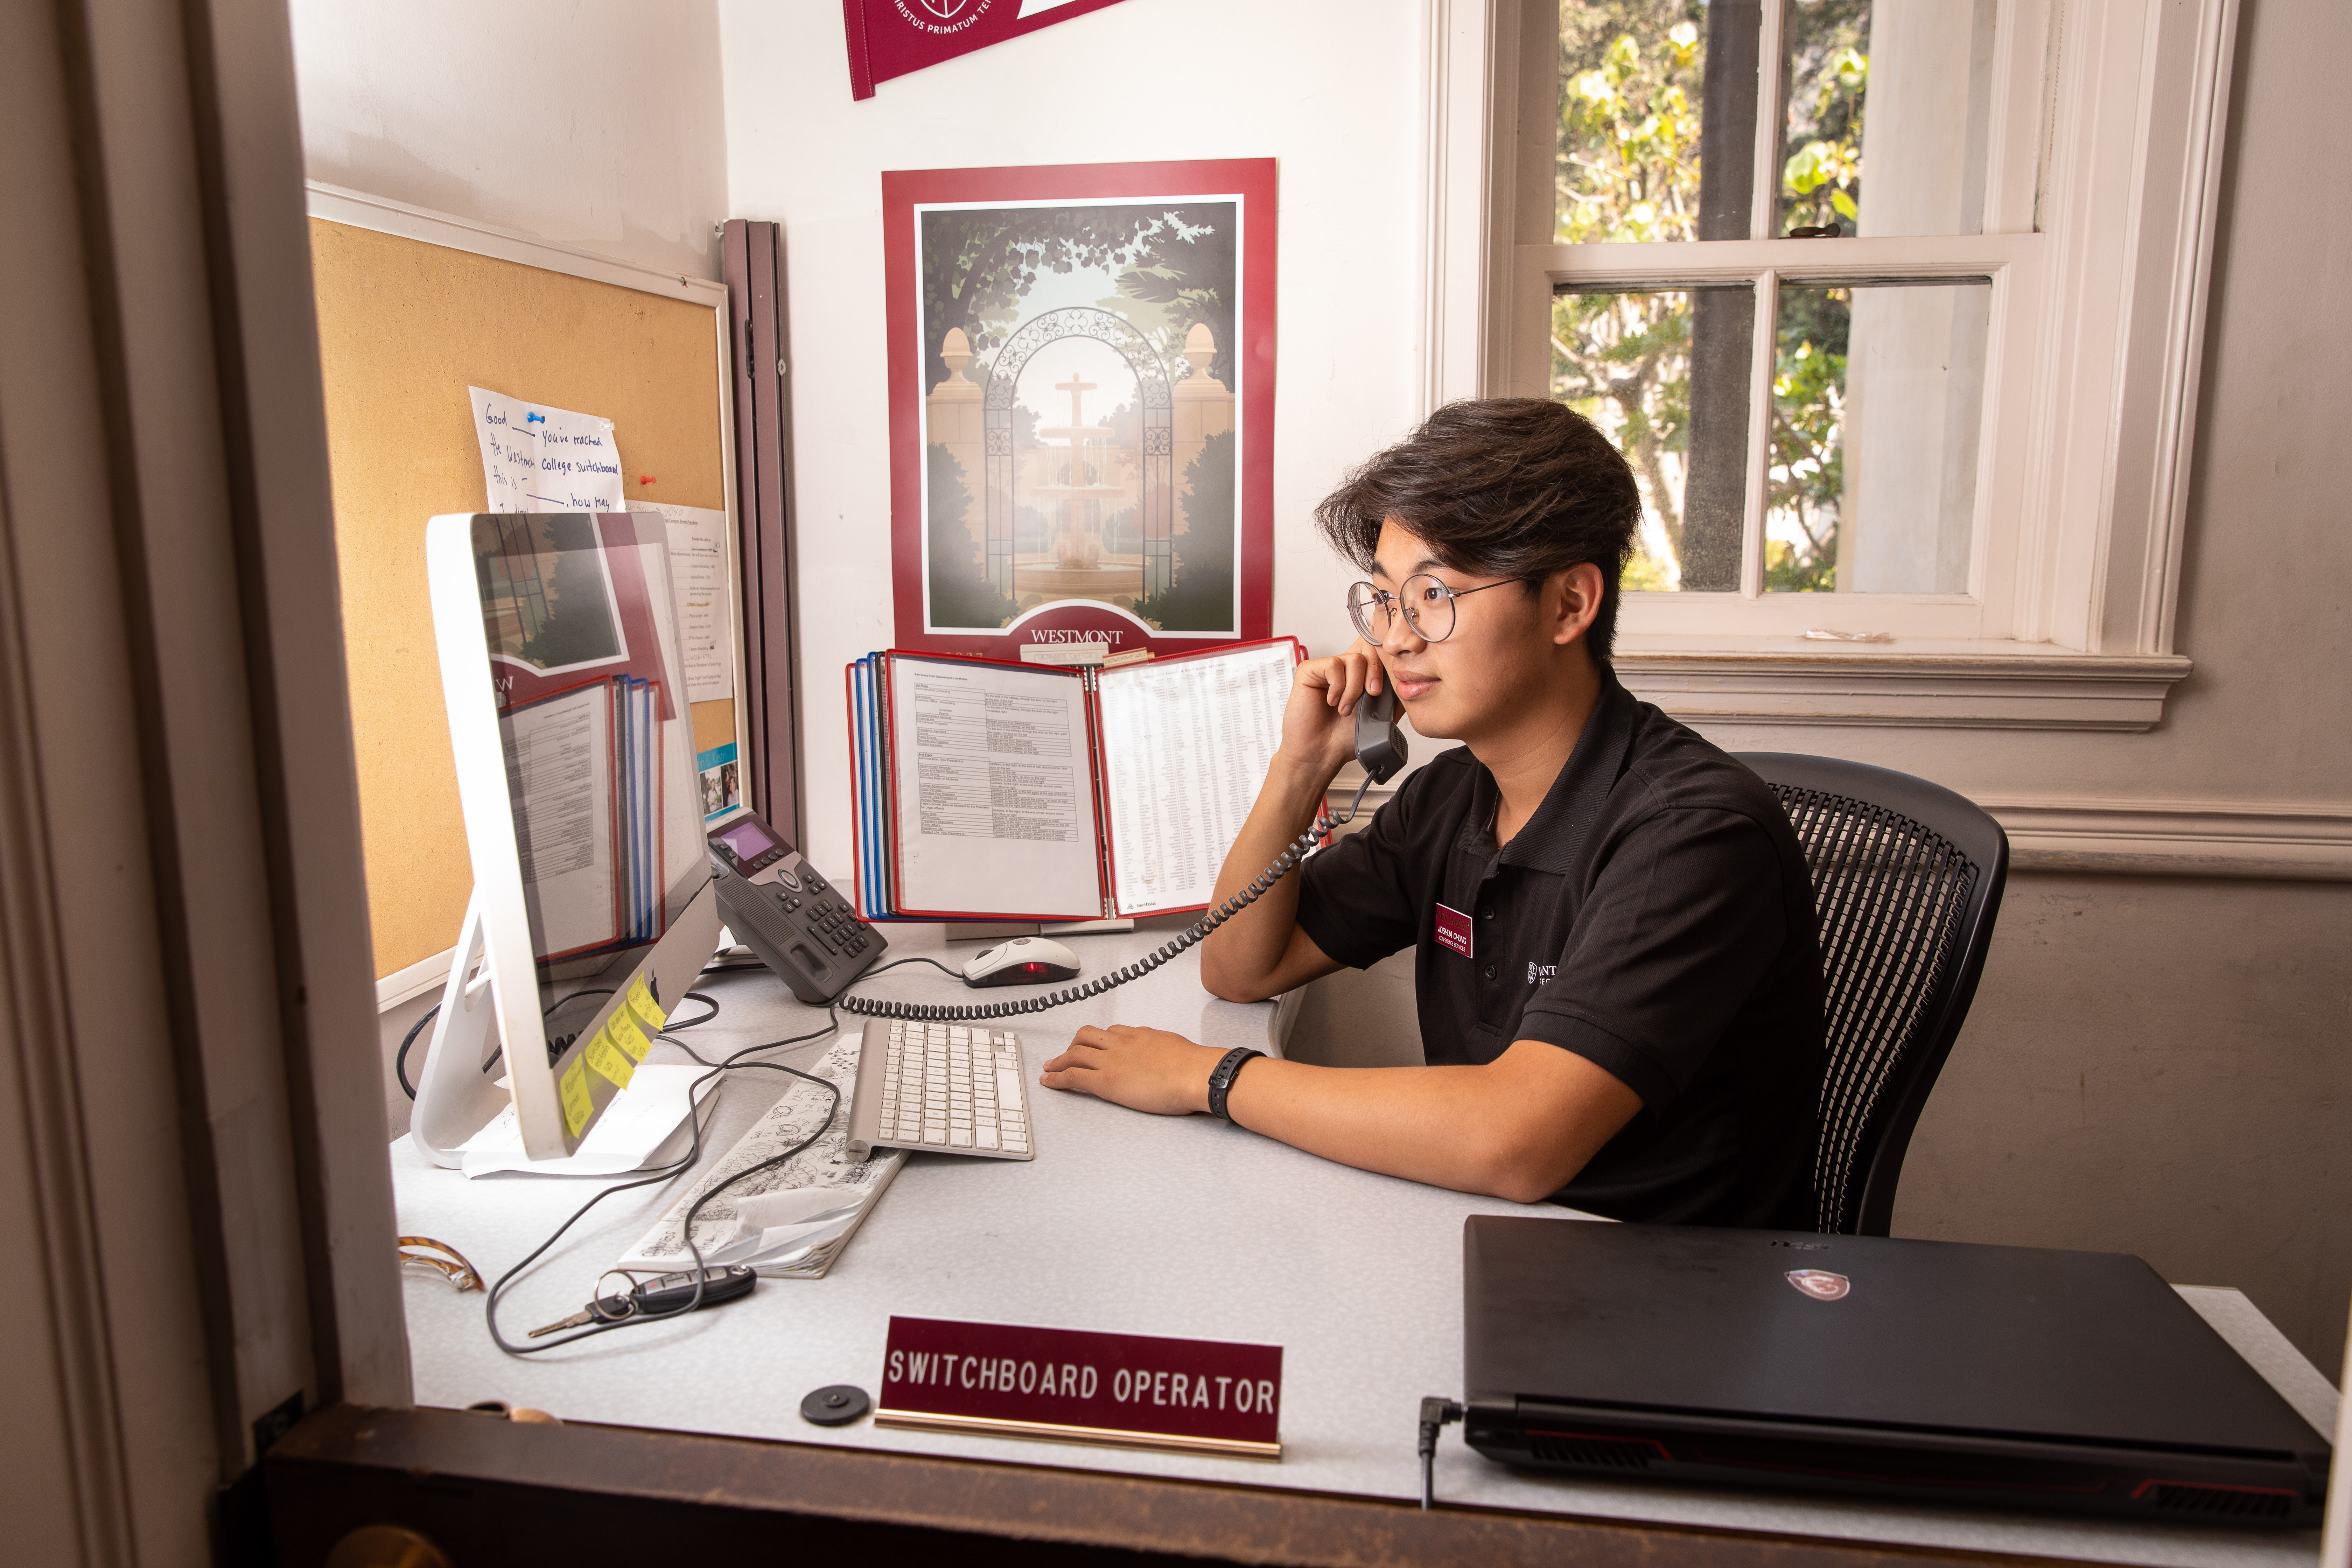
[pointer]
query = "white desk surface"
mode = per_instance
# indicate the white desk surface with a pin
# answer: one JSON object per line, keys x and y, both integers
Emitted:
{"x": 1133, "y": 1224}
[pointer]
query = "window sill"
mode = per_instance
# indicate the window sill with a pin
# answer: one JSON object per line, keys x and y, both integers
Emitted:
{"x": 1935, "y": 685}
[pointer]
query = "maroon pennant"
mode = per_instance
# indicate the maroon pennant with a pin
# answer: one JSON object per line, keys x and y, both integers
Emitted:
{"x": 891, "y": 37}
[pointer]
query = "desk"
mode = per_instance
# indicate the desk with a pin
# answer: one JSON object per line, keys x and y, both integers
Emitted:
{"x": 1140, "y": 1225}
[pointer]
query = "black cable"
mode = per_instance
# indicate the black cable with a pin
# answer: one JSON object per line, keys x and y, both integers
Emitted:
{"x": 953, "y": 1012}
{"x": 919, "y": 958}
{"x": 1435, "y": 1413}
{"x": 400, "y": 1062}
{"x": 490, "y": 1306}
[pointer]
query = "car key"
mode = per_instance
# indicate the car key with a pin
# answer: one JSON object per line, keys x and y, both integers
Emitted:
{"x": 661, "y": 1296}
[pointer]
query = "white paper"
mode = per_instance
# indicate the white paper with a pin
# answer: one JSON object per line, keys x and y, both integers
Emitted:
{"x": 995, "y": 792}
{"x": 537, "y": 458}
{"x": 792, "y": 1221}
{"x": 1186, "y": 746}
{"x": 706, "y": 616}
{"x": 643, "y": 1125}
{"x": 558, "y": 775}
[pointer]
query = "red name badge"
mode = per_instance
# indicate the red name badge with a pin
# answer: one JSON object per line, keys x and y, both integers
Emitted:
{"x": 1133, "y": 1390}
{"x": 1453, "y": 931}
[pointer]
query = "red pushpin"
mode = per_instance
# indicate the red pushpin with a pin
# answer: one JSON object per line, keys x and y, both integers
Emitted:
{"x": 645, "y": 478}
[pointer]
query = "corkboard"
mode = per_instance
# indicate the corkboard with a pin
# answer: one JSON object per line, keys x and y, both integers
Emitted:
{"x": 405, "y": 328}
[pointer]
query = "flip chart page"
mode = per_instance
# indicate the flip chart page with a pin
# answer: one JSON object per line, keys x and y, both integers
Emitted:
{"x": 538, "y": 458}
{"x": 994, "y": 791}
{"x": 1186, "y": 744}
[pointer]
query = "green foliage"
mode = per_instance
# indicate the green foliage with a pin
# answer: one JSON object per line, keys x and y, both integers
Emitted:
{"x": 961, "y": 595}
{"x": 1632, "y": 82}
{"x": 1806, "y": 477}
{"x": 1828, "y": 77}
{"x": 1201, "y": 597}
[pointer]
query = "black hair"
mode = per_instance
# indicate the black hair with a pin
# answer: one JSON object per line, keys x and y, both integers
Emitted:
{"x": 1499, "y": 486}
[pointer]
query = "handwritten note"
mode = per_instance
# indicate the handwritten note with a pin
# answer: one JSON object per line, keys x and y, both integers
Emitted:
{"x": 697, "y": 568}
{"x": 610, "y": 1063}
{"x": 537, "y": 458}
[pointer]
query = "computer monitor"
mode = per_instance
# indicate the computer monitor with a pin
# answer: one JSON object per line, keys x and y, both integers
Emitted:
{"x": 565, "y": 685}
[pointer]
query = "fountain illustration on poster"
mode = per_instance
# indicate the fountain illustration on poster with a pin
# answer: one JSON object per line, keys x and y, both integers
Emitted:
{"x": 1084, "y": 420}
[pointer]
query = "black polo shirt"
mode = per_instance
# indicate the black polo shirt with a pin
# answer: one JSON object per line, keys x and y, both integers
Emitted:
{"x": 1655, "y": 916}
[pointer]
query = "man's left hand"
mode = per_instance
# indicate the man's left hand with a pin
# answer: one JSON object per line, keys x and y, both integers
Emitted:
{"x": 1143, "y": 1069}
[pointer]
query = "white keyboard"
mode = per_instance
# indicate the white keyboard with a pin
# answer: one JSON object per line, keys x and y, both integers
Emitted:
{"x": 953, "y": 1089}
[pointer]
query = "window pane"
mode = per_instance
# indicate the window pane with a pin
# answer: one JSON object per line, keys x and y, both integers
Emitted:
{"x": 1665, "y": 374}
{"x": 1915, "y": 163}
{"x": 1657, "y": 120}
{"x": 1877, "y": 395}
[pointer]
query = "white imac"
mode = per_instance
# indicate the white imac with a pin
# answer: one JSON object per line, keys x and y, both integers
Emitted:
{"x": 565, "y": 684}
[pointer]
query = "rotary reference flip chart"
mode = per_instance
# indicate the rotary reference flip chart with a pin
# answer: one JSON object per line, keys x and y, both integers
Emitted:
{"x": 537, "y": 458}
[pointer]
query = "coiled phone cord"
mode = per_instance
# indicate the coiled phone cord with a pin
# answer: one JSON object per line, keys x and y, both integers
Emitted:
{"x": 950, "y": 1013}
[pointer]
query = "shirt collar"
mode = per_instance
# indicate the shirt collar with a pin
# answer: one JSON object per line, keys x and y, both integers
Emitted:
{"x": 1548, "y": 841}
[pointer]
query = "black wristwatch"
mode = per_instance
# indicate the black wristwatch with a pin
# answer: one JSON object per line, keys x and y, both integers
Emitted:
{"x": 1221, "y": 1080}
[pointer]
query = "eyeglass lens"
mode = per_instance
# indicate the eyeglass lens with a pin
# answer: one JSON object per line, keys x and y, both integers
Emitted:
{"x": 1425, "y": 603}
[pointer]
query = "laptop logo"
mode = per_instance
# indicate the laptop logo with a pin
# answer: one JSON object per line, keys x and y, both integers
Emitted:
{"x": 1821, "y": 1284}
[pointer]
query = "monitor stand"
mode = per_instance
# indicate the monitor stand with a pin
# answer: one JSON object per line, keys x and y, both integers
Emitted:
{"x": 455, "y": 1098}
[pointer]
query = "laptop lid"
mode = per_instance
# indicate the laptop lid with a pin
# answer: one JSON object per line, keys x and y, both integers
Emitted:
{"x": 2076, "y": 1347}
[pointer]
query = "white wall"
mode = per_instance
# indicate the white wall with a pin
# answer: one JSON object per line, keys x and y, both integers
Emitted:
{"x": 595, "y": 123}
{"x": 1332, "y": 91}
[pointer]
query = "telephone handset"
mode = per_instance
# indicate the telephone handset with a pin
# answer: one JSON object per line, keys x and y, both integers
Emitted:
{"x": 1380, "y": 744}
{"x": 1380, "y": 748}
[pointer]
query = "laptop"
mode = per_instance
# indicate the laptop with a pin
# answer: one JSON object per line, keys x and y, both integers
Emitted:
{"x": 2006, "y": 1376}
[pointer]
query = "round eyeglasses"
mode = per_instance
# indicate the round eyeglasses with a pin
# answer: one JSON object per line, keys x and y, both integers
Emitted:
{"x": 1425, "y": 603}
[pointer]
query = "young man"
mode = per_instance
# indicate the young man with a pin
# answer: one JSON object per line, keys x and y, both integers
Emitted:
{"x": 1619, "y": 986}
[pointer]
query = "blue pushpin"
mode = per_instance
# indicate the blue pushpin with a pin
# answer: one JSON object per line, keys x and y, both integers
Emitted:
{"x": 530, "y": 417}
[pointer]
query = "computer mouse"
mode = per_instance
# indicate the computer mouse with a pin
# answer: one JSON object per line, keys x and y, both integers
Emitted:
{"x": 1023, "y": 961}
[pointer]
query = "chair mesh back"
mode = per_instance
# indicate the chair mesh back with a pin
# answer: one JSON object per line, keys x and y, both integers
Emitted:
{"x": 1890, "y": 894}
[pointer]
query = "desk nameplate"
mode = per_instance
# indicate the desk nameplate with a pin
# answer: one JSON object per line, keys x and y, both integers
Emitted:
{"x": 1073, "y": 1385}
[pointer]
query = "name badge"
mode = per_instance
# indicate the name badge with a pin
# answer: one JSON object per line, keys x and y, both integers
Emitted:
{"x": 1453, "y": 931}
{"x": 1134, "y": 1390}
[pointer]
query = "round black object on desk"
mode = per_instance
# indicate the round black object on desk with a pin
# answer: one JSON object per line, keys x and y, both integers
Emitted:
{"x": 836, "y": 1406}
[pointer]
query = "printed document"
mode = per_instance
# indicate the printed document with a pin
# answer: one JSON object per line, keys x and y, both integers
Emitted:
{"x": 792, "y": 1221}
{"x": 706, "y": 624}
{"x": 560, "y": 777}
{"x": 1185, "y": 746}
{"x": 995, "y": 790}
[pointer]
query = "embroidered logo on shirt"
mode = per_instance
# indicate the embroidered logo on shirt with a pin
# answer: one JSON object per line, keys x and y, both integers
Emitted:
{"x": 1539, "y": 972}
{"x": 1453, "y": 931}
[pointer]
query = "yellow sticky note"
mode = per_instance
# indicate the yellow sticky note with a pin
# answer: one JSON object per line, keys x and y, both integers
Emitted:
{"x": 625, "y": 1034}
{"x": 578, "y": 1104}
{"x": 648, "y": 1011}
{"x": 601, "y": 1055}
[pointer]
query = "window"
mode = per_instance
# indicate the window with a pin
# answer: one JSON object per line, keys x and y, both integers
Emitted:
{"x": 1895, "y": 307}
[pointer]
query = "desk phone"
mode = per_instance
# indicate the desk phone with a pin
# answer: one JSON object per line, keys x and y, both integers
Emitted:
{"x": 777, "y": 905}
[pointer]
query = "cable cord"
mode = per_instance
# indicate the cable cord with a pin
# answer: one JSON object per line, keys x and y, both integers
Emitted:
{"x": 694, "y": 1153}
{"x": 1292, "y": 856}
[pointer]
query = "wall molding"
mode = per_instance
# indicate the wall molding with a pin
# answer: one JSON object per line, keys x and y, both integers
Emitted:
{"x": 1982, "y": 690}
{"x": 2297, "y": 843}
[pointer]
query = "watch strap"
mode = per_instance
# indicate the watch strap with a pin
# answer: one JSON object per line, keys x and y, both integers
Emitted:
{"x": 1221, "y": 1080}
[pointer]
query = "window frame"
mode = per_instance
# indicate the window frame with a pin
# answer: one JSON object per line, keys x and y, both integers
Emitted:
{"x": 2092, "y": 369}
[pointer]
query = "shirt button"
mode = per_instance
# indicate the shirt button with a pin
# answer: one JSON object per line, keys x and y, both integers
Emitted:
{"x": 1488, "y": 972}
{"x": 1488, "y": 913}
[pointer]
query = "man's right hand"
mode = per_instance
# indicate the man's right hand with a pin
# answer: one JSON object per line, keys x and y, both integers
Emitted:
{"x": 1319, "y": 724}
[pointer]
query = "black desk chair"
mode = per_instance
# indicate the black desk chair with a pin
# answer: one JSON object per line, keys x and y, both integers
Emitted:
{"x": 1908, "y": 878}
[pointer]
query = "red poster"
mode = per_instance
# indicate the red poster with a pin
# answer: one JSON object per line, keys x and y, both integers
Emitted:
{"x": 1081, "y": 405}
{"x": 891, "y": 37}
